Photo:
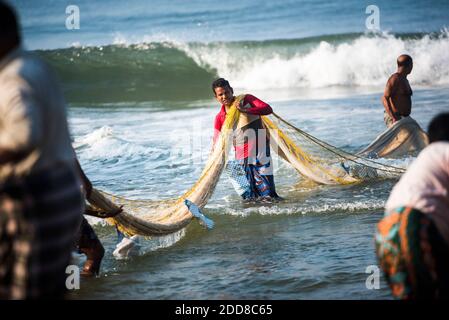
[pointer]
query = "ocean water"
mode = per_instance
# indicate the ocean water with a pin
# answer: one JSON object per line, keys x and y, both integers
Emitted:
{"x": 137, "y": 76}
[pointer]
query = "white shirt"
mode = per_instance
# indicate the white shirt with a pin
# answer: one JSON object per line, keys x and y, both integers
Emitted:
{"x": 32, "y": 115}
{"x": 425, "y": 186}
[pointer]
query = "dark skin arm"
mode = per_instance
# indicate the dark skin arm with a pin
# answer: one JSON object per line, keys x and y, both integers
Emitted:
{"x": 86, "y": 182}
{"x": 102, "y": 214}
{"x": 88, "y": 188}
{"x": 390, "y": 90}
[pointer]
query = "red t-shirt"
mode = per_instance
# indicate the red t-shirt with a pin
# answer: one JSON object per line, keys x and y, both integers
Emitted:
{"x": 256, "y": 107}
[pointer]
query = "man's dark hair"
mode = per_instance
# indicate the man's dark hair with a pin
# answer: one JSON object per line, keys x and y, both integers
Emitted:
{"x": 9, "y": 26}
{"x": 404, "y": 60}
{"x": 220, "y": 83}
{"x": 439, "y": 128}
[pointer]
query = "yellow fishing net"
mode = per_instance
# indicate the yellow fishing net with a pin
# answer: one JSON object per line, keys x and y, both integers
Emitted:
{"x": 156, "y": 218}
{"x": 320, "y": 161}
{"x": 311, "y": 157}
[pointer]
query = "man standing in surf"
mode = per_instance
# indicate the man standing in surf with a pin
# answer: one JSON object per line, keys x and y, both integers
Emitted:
{"x": 251, "y": 143}
{"x": 397, "y": 98}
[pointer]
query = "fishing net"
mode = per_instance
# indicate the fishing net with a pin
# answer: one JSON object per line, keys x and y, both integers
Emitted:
{"x": 157, "y": 218}
{"x": 320, "y": 161}
{"x": 311, "y": 157}
{"x": 405, "y": 136}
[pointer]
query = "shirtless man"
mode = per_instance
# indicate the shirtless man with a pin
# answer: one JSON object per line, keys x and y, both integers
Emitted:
{"x": 397, "y": 96}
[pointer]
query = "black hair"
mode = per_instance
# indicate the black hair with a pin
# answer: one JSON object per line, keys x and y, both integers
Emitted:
{"x": 439, "y": 128}
{"x": 9, "y": 26}
{"x": 406, "y": 62}
{"x": 220, "y": 83}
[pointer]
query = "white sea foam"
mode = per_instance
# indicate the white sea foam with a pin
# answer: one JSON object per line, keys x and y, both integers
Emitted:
{"x": 102, "y": 143}
{"x": 143, "y": 245}
{"x": 402, "y": 163}
{"x": 137, "y": 245}
{"x": 304, "y": 208}
{"x": 365, "y": 61}
{"x": 93, "y": 137}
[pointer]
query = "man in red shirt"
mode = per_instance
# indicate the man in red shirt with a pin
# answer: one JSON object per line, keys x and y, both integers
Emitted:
{"x": 251, "y": 144}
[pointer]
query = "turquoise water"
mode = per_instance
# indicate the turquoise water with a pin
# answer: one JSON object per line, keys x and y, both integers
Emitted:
{"x": 106, "y": 22}
{"x": 137, "y": 80}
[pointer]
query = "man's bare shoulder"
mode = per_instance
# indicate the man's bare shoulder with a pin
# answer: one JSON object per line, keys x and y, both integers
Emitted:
{"x": 394, "y": 78}
{"x": 394, "y": 81}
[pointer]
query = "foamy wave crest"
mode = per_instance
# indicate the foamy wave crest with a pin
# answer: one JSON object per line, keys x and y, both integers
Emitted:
{"x": 355, "y": 206}
{"x": 93, "y": 137}
{"x": 102, "y": 144}
{"x": 363, "y": 61}
{"x": 149, "y": 70}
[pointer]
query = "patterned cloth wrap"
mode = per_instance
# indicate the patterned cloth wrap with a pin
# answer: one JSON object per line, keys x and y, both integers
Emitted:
{"x": 39, "y": 217}
{"x": 249, "y": 181}
{"x": 413, "y": 255}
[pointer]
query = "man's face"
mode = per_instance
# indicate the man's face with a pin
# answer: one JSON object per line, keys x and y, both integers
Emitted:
{"x": 224, "y": 95}
{"x": 410, "y": 68}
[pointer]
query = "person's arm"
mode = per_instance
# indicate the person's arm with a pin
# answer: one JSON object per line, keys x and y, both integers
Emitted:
{"x": 252, "y": 105}
{"x": 102, "y": 214}
{"x": 218, "y": 124}
{"x": 84, "y": 179}
{"x": 21, "y": 121}
{"x": 87, "y": 185}
{"x": 390, "y": 89}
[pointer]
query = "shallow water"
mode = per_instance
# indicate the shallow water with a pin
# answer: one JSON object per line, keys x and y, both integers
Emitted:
{"x": 137, "y": 80}
{"x": 313, "y": 256}
{"x": 316, "y": 244}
